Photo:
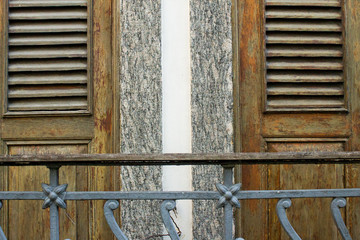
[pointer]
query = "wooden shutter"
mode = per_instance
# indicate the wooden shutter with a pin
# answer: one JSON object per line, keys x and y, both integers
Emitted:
{"x": 298, "y": 90}
{"x": 304, "y": 55}
{"x": 51, "y": 41}
{"x": 48, "y": 57}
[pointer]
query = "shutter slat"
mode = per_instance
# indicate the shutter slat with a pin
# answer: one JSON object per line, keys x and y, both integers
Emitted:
{"x": 309, "y": 90}
{"x": 46, "y": 3}
{"x": 47, "y": 26}
{"x": 304, "y": 64}
{"x": 323, "y": 102}
{"x": 304, "y": 76}
{"x": 48, "y": 39}
{"x": 304, "y": 38}
{"x": 47, "y": 13}
{"x": 327, "y": 3}
{"x": 48, "y": 52}
{"x": 303, "y": 51}
{"x": 303, "y": 25}
{"x": 47, "y": 65}
{"x": 54, "y": 91}
{"x": 303, "y": 13}
{"x": 34, "y": 78}
{"x": 304, "y": 55}
{"x": 50, "y": 104}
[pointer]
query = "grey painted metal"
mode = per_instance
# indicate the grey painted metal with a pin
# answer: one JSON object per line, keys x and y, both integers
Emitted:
{"x": 109, "y": 207}
{"x": 54, "y": 195}
{"x": 184, "y": 195}
{"x": 228, "y": 209}
{"x": 281, "y": 207}
{"x": 166, "y": 207}
{"x": 335, "y": 205}
{"x": 228, "y": 195}
{"x": 54, "y": 210}
{"x": 2, "y": 234}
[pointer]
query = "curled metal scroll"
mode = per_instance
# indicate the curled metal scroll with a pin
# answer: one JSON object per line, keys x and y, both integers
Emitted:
{"x": 166, "y": 207}
{"x": 2, "y": 234}
{"x": 109, "y": 207}
{"x": 335, "y": 205}
{"x": 281, "y": 207}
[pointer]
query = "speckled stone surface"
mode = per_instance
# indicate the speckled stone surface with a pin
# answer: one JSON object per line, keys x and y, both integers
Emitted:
{"x": 212, "y": 103}
{"x": 140, "y": 97}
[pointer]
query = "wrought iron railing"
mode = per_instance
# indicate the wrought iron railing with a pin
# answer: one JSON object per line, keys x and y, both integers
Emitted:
{"x": 228, "y": 194}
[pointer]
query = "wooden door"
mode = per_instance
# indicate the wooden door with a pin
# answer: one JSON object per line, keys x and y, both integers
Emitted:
{"x": 298, "y": 68}
{"x": 59, "y": 96}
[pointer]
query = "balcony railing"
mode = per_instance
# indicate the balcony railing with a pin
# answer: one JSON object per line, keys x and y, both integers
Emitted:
{"x": 54, "y": 196}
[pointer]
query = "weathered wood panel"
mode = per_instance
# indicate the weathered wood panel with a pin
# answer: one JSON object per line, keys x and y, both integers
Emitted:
{"x": 352, "y": 63}
{"x": 28, "y": 214}
{"x": 140, "y": 94}
{"x": 103, "y": 178}
{"x": 253, "y": 222}
{"x": 305, "y": 214}
{"x": 256, "y": 127}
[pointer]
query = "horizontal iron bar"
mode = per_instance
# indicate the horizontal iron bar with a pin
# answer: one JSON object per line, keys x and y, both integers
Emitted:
{"x": 183, "y": 159}
{"x": 196, "y": 195}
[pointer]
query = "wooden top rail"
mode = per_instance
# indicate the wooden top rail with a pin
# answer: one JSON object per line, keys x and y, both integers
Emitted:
{"x": 182, "y": 159}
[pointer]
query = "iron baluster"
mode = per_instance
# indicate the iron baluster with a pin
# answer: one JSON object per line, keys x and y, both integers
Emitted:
{"x": 54, "y": 210}
{"x": 335, "y": 205}
{"x": 2, "y": 234}
{"x": 109, "y": 207}
{"x": 166, "y": 207}
{"x": 281, "y": 207}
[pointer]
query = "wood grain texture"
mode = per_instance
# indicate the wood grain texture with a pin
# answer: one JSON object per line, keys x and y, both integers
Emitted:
{"x": 306, "y": 125}
{"x": 305, "y": 214}
{"x": 253, "y": 158}
{"x": 36, "y": 128}
{"x": 36, "y": 221}
{"x": 253, "y": 222}
{"x": 212, "y": 103}
{"x": 102, "y": 178}
{"x": 140, "y": 94}
{"x": 352, "y": 60}
{"x": 3, "y": 76}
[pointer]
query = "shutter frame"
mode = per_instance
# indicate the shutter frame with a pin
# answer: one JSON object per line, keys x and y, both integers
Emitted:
{"x": 65, "y": 64}
{"x": 311, "y": 59}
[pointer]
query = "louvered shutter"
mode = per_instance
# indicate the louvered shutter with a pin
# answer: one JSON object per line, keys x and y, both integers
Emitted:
{"x": 48, "y": 57}
{"x": 304, "y": 55}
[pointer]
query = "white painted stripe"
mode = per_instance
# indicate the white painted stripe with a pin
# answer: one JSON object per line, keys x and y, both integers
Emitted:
{"x": 176, "y": 108}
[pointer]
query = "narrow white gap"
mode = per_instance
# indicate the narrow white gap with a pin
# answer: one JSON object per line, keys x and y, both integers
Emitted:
{"x": 176, "y": 106}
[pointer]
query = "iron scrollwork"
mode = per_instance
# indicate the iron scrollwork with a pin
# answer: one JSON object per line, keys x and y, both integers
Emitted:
{"x": 281, "y": 207}
{"x": 166, "y": 207}
{"x": 335, "y": 205}
{"x": 2, "y": 234}
{"x": 109, "y": 207}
